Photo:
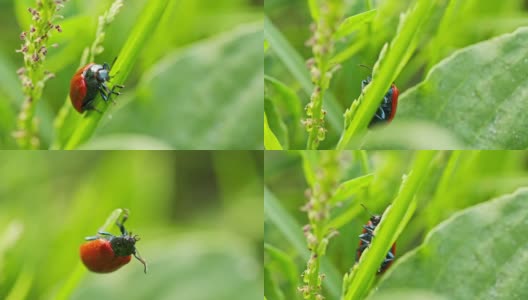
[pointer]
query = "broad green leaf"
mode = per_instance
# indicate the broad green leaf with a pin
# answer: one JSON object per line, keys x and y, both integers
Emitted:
{"x": 354, "y": 23}
{"x": 411, "y": 135}
{"x": 405, "y": 294}
{"x": 350, "y": 187}
{"x": 270, "y": 140}
{"x": 125, "y": 142}
{"x": 479, "y": 94}
{"x": 208, "y": 96}
{"x": 479, "y": 253}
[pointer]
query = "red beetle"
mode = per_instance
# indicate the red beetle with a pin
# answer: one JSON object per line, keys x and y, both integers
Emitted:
{"x": 87, "y": 82}
{"x": 387, "y": 109}
{"x": 365, "y": 238}
{"x": 106, "y": 253}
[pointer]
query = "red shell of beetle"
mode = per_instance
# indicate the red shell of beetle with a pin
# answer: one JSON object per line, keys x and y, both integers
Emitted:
{"x": 78, "y": 88}
{"x": 98, "y": 257}
{"x": 395, "y": 94}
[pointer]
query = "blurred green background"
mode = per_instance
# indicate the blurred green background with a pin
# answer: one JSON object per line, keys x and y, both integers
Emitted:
{"x": 199, "y": 216}
{"x": 195, "y": 83}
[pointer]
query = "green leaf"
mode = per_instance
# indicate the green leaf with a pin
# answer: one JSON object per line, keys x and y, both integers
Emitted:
{"x": 483, "y": 247}
{"x": 286, "y": 96}
{"x": 286, "y": 266}
{"x": 314, "y": 9}
{"x": 286, "y": 101}
{"x": 270, "y": 140}
{"x": 354, "y": 23}
{"x": 208, "y": 96}
{"x": 271, "y": 288}
{"x": 275, "y": 122}
{"x": 125, "y": 142}
{"x": 479, "y": 94}
{"x": 411, "y": 135}
{"x": 309, "y": 160}
{"x": 350, "y": 187}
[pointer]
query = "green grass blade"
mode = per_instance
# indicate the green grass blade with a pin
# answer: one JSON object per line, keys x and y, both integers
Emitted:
{"x": 354, "y": 23}
{"x": 387, "y": 231}
{"x": 286, "y": 265}
{"x": 391, "y": 60}
{"x": 349, "y": 188}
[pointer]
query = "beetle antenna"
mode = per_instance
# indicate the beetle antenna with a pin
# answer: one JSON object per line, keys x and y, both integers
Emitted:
{"x": 138, "y": 257}
{"x": 365, "y": 66}
{"x": 367, "y": 210}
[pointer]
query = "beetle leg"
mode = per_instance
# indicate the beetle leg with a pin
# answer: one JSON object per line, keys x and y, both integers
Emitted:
{"x": 380, "y": 114}
{"x": 88, "y": 105}
{"x": 365, "y": 238}
{"x": 91, "y": 238}
{"x": 103, "y": 92}
{"x": 369, "y": 229}
{"x": 105, "y": 233}
{"x": 120, "y": 224}
{"x": 112, "y": 91}
{"x": 106, "y": 92}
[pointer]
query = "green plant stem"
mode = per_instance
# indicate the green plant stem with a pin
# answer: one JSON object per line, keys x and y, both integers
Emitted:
{"x": 292, "y": 232}
{"x": 296, "y": 66}
{"x": 325, "y": 173}
{"x": 330, "y": 15}
{"x": 33, "y": 75}
{"x": 138, "y": 37}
